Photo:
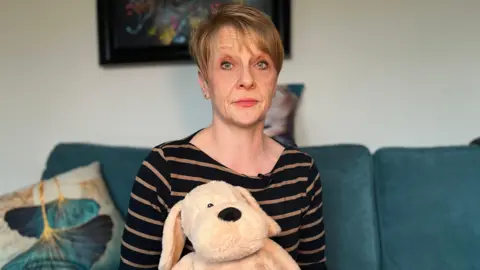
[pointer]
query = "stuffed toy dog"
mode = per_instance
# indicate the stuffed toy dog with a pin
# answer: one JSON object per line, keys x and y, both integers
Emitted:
{"x": 228, "y": 230}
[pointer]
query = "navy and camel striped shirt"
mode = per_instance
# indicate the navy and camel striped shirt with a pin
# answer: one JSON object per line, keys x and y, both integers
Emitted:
{"x": 291, "y": 194}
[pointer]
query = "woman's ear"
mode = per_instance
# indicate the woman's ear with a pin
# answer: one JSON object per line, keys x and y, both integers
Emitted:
{"x": 272, "y": 225}
{"x": 202, "y": 80}
{"x": 173, "y": 239}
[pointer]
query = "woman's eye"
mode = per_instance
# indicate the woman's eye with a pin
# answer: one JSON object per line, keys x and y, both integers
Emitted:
{"x": 262, "y": 65}
{"x": 226, "y": 65}
{"x": 209, "y": 205}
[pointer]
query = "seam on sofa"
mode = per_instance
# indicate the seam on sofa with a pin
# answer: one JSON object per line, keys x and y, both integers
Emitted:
{"x": 378, "y": 218}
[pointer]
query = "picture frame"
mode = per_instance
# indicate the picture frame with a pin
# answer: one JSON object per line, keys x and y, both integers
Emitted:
{"x": 129, "y": 30}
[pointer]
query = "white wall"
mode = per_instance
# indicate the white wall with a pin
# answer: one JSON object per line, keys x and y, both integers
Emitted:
{"x": 398, "y": 73}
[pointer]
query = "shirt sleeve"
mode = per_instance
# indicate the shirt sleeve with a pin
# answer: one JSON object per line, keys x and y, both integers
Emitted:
{"x": 148, "y": 207}
{"x": 311, "y": 249}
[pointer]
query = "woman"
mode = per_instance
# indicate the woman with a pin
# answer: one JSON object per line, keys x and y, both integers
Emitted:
{"x": 239, "y": 55}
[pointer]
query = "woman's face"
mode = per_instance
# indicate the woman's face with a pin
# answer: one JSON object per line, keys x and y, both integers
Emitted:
{"x": 241, "y": 81}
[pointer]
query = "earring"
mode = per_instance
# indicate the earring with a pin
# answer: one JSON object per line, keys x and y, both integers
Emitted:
{"x": 205, "y": 95}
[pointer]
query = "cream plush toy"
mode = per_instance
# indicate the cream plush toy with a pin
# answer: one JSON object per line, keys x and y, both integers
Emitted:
{"x": 228, "y": 230}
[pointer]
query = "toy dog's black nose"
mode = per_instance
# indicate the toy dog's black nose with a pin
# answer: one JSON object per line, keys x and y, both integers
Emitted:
{"x": 230, "y": 214}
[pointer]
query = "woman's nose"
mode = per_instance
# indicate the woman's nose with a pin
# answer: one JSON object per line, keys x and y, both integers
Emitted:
{"x": 246, "y": 79}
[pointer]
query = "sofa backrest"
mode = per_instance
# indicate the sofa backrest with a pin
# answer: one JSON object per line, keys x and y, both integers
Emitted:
{"x": 349, "y": 208}
{"x": 346, "y": 172}
{"x": 428, "y": 202}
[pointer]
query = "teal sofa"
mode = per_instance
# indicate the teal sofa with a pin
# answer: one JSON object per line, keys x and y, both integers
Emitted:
{"x": 394, "y": 209}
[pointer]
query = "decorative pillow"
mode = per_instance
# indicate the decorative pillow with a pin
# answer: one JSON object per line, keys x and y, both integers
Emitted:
{"x": 280, "y": 119}
{"x": 475, "y": 141}
{"x": 68, "y": 222}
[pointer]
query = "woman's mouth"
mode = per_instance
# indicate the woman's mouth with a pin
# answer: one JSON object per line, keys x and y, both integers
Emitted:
{"x": 246, "y": 102}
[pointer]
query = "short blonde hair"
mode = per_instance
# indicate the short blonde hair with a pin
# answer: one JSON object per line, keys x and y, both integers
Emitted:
{"x": 244, "y": 19}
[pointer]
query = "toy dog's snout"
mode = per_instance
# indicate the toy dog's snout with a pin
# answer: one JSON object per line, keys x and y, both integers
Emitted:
{"x": 231, "y": 214}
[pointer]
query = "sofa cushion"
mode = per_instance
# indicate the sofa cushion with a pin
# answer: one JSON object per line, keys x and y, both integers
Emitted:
{"x": 119, "y": 166}
{"x": 349, "y": 213}
{"x": 428, "y": 202}
{"x": 67, "y": 222}
{"x": 280, "y": 118}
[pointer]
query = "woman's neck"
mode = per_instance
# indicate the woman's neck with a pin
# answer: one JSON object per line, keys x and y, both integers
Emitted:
{"x": 247, "y": 151}
{"x": 239, "y": 143}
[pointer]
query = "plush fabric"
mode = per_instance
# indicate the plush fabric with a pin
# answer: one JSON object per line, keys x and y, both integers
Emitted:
{"x": 428, "y": 203}
{"x": 119, "y": 166}
{"x": 68, "y": 222}
{"x": 228, "y": 229}
{"x": 349, "y": 212}
{"x": 280, "y": 119}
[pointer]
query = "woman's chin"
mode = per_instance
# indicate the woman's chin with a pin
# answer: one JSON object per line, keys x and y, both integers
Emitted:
{"x": 247, "y": 123}
{"x": 247, "y": 119}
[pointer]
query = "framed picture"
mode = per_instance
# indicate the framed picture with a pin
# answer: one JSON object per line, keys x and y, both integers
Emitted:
{"x": 135, "y": 31}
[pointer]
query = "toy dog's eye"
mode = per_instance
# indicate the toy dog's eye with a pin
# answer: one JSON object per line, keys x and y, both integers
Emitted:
{"x": 209, "y": 205}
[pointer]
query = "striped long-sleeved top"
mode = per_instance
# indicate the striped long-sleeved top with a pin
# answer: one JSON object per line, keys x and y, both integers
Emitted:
{"x": 291, "y": 194}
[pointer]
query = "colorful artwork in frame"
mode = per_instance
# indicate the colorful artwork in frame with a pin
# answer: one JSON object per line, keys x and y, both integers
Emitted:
{"x": 134, "y": 31}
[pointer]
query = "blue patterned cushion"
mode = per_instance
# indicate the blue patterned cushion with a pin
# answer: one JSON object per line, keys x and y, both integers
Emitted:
{"x": 67, "y": 222}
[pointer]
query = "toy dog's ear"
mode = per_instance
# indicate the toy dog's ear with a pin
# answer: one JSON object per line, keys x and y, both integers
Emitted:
{"x": 173, "y": 239}
{"x": 273, "y": 227}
